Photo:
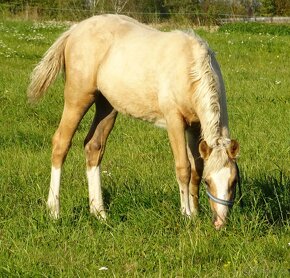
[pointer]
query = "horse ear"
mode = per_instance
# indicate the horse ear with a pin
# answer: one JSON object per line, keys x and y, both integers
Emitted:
{"x": 233, "y": 149}
{"x": 204, "y": 150}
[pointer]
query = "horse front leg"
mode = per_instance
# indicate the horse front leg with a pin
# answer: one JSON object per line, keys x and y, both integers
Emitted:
{"x": 196, "y": 162}
{"x": 176, "y": 134}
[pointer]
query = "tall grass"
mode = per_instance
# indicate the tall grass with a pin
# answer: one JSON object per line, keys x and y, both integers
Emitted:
{"x": 145, "y": 234}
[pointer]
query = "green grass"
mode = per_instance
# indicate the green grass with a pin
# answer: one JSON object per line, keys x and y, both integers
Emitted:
{"x": 256, "y": 28}
{"x": 145, "y": 236}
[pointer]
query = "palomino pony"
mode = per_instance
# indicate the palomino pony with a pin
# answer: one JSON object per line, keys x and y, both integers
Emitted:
{"x": 169, "y": 78}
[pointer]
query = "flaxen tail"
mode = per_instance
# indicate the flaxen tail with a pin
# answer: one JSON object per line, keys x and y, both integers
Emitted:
{"x": 48, "y": 68}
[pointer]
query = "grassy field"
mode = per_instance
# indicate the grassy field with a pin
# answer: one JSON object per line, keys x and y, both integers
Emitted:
{"x": 145, "y": 236}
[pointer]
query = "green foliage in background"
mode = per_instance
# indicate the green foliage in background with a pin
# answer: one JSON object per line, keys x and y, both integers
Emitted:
{"x": 199, "y": 12}
{"x": 145, "y": 235}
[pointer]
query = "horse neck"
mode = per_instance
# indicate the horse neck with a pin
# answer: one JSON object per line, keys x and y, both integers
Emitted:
{"x": 210, "y": 100}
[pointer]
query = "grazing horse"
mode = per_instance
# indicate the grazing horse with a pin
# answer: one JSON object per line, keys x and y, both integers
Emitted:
{"x": 169, "y": 78}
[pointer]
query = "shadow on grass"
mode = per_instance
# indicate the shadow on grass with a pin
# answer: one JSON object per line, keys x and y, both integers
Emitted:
{"x": 269, "y": 194}
{"x": 135, "y": 196}
{"x": 266, "y": 199}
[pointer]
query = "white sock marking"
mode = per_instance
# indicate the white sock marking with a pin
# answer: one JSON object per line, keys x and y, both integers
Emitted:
{"x": 192, "y": 207}
{"x": 184, "y": 199}
{"x": 95, "y": 192}
{"x": 53, "y": 195}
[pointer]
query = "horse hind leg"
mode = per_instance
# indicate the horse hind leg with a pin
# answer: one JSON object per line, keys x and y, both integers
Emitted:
{"x": 74, "y": 110}
{"x": 95, "y": 143}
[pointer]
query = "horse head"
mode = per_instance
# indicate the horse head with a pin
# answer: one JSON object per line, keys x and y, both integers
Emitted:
{"x": 221, "y": 175}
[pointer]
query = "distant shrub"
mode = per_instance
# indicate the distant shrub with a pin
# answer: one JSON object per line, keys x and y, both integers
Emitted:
{"x": 256, "y": 28}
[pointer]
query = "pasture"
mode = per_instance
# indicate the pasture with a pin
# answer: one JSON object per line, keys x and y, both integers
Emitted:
{"x": 145, "y": 235}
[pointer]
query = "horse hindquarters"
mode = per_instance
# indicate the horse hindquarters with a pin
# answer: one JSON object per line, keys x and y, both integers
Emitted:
{"x": 82, "y": 57}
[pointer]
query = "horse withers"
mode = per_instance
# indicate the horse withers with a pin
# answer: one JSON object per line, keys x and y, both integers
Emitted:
{"x": 171, "y": 79}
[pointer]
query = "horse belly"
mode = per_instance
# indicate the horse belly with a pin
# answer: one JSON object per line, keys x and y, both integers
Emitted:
{"x": 132, "y": 98}
{"x": 135, "y": 106}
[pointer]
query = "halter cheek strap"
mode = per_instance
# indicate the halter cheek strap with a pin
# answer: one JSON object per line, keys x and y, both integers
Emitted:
{"x": 219, "y": 201}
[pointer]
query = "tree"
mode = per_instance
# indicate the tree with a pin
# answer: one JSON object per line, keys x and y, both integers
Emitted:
{"x": 119, "y": 5}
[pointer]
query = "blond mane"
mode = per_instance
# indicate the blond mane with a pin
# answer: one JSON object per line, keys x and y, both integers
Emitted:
{"x": 209, "y": 99}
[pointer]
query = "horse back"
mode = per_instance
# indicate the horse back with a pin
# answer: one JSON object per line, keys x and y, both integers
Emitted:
{"x": 141, "y": 71}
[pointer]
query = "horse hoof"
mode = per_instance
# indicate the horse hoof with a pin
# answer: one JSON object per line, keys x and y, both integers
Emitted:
{"x": 99, "y": 214}
{"x": 54, "y": 214}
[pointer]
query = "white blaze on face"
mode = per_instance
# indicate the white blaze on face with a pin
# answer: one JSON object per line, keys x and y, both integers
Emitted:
{"x": 220, "y": 180}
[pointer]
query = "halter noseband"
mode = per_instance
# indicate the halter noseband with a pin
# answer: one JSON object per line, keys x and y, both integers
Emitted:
{"x": 220, "y": 201}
